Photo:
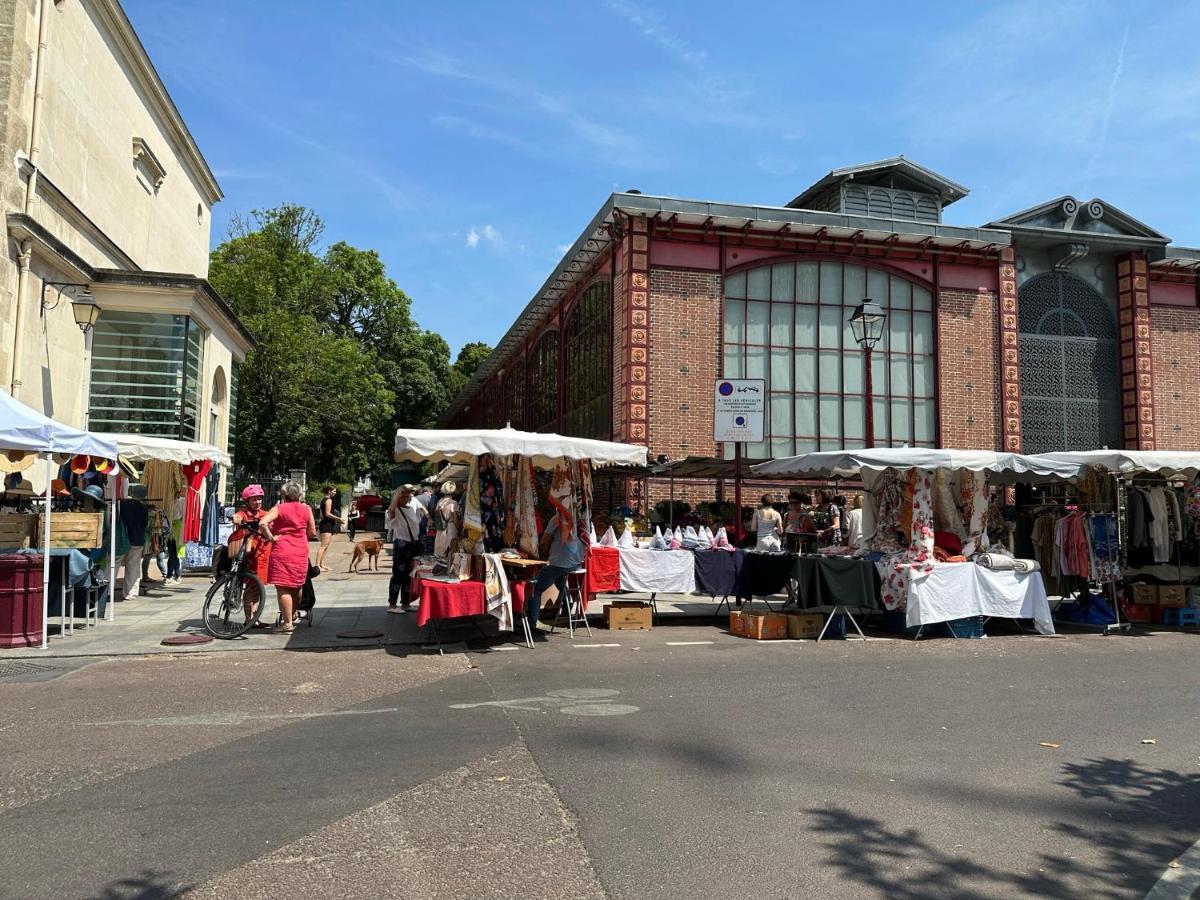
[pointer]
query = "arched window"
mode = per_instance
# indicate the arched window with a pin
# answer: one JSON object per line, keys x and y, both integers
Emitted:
{"x": 514, "y": 391}
{"x": 216, "y": 408}
{"x": 587, "y": 343}
{"x": 790, "y": 324}
{"x": 543, "y": 383}
{"x": 1070, "y": 366}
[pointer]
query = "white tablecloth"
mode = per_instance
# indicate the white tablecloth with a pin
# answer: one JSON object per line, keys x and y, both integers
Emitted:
{"x": 958, "y": 590}
{"x": 658, "y": 571}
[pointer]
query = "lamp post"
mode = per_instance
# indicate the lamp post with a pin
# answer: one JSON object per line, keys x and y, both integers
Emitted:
{"x": 83, "y": 306}
{"x": 867, "y": 324}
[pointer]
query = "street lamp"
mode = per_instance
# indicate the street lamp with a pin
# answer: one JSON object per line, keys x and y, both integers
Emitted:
{"x": 867, "y": 324}
{"x": 83, "y": 306}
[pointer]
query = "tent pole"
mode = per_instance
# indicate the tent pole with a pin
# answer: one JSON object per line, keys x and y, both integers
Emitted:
{"x": 46, "y": 555}
{"x": 737, "y": 491}
{"x": 114, "y": 481}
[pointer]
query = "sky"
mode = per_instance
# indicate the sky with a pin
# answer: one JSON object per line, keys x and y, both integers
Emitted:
{"x": 470, "y": 143}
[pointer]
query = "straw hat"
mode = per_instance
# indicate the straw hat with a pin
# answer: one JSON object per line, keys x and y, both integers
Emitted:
{"x": 23, "y": 489}
{"x": 448, "y": 488}
{"x": 103, "y": 466}
{"x": 16, "y": 461}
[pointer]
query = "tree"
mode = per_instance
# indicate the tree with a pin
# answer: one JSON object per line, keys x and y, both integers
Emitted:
{"x": 340, "y": 363}
{"x": 469, "y": 358}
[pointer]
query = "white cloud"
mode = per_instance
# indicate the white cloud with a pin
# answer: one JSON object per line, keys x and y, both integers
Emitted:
{"x": 651, "y": 25}
{"x": 561, "y": 249}
{"x": 486, "y": 233}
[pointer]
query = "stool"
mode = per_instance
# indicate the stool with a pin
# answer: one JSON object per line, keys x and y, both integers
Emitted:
{"x": 1181, "y": 617}
{"x": 574, "y": 597}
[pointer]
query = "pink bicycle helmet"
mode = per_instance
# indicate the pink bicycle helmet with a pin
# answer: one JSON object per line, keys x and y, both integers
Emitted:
{"x": 252, "y": 490}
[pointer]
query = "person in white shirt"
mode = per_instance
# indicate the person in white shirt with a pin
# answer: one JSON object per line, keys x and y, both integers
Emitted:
{"x": 854, "y": 535}
{"x": 767, "y": 525}
{"x": 404, "y": 531}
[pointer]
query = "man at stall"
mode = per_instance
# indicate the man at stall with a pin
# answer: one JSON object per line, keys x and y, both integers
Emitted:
{"x": 564, "y": 552}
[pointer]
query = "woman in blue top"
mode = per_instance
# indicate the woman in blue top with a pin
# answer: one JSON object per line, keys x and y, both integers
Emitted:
{"x": 564, "y": 554}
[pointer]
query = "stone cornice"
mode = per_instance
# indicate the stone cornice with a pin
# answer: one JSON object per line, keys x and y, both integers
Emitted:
{"x": 126, "y": 41}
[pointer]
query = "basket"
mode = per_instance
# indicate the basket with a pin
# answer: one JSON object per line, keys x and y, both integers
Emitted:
{"x": 896, "y": 621}
{"x": 970, "y": 627}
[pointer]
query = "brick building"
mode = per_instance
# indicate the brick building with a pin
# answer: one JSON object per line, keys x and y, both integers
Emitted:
{"x": 1070, "y": 325}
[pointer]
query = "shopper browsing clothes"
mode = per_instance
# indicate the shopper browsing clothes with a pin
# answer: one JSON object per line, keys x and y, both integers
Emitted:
{"x": 404, "y": 532}
{"x": 329, "y": 525}
{"x": 767, "y": 525}
{"x": 445, "y": 521}
{"x": 564, "y": 554}
{"x": 799, "y": 522}
{"x": 289, "y": 526}
{"x": 134, "y": 515}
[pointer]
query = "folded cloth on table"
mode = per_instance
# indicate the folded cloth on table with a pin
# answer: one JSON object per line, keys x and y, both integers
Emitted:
{"x": 609, "y": 539}
{"x": 995, "y": 561}
{"x": 691, "y": 539}
{"x": 497, "y": 595}
{"x": 1025, "y": 566}
{"x": 625, "y": 541}
{"x": 658, "y": 542}
{"x": 592, "y": 539}
{"x": 721, "y": 540}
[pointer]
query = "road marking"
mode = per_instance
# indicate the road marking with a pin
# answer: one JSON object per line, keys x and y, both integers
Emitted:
{"x": 582, "y": 646}
{"x": 1182, "y": 882}
{"x": 570, "y": 701}
{"x": 239, "y": 718}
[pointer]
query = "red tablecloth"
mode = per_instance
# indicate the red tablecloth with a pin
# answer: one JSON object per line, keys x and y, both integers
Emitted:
{"x": 603, "y": 570}
{"x": 451, "y": 599}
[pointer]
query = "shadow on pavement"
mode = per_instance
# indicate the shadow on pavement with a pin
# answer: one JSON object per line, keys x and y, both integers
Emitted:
{"x": 149, "y": 885}
{"x": 1135, "y": 820}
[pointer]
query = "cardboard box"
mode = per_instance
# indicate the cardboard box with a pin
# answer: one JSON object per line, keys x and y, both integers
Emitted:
{"x": 629, "y": 615}
{"x": 737, "y": 624}
{"x": 804, "y": 625}
{"x": 83, "y": 531}
{"x": 765, "y": 626}
{"x": 1144, "y": 594}
{"x": 1173, "y": 595}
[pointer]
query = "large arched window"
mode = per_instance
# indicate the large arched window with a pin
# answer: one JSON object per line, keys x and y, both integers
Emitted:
{"x": 514, "y": 391}
{"x": 790, "y": 324}
{"x": 1070, "y": 366}
{"x": 543, "y": 383}
{"x": 587, "y": 343}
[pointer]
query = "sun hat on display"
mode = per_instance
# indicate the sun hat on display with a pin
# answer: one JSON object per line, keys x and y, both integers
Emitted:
{"x": 138, "y": 491}
{"x": 23, "y": 488}
{"x": 103, "y": 466}
{"x": 59, "y": 488}
{"x": 91, "y": 492}
{"x": 449, "y": 488}
{"x": 252, "y": 490}
{"x": 16, "y": 461}
{"x": 80, "y": 463}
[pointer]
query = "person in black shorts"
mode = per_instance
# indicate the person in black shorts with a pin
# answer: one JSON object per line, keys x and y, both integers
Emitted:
{"x": 328, "y": 525}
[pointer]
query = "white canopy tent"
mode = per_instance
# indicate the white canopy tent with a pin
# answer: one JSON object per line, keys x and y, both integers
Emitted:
{"x": 24, "y": 428}
{"x": 850, "y": 463}
{"x": 461, "y": 445}
{"x": 1165, "y": 463}
{"x": 140, "y": 448}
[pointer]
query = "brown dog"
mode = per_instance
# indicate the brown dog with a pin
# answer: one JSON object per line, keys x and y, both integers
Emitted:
{"x": 369, "y": 549}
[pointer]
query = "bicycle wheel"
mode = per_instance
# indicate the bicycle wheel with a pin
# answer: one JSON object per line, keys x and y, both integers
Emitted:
{"x": 224, "y": 610}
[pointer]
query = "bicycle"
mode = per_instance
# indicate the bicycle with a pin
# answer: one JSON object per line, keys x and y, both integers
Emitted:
{"x": 230, "y": 619}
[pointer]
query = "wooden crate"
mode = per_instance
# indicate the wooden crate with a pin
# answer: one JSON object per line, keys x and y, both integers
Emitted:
{"x": 81, "y": 530}
{"x": 17, "y": 530}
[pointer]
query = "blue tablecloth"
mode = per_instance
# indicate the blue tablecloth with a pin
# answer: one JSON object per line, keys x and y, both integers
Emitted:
{"x": 717, "y": 571}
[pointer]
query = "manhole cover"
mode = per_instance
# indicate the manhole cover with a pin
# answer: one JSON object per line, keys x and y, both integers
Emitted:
{"x": 13, "y": 669}
{"x": 176, "y": 640}
{"x": 363, "y": 633}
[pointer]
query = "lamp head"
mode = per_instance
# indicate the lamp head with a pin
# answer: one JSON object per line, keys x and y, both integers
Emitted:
{"x": 867, "y": 323}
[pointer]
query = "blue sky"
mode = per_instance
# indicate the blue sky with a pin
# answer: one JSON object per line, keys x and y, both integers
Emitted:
{"x": 470, "y": 142}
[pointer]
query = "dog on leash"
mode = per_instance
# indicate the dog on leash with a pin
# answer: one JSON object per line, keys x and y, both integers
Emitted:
{"x": 369, "y": 549}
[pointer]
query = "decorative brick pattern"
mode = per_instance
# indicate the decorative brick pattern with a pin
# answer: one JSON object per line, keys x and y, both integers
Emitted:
{"x": 620, "y": 313}
{"x": 685, "y": 340}
{"x": 1010, "y": 355}
{"x": 1137, "y": 368}
{"x": 968, "y": 375}
{"x": 637, "y": 335}
{"x": 1174, "y": 341}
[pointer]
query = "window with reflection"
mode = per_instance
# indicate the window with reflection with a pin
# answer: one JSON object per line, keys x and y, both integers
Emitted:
{"x": 543, "y": 383}
{"x": 790, "y": 325}
{"x": 514, "y": 389}
{"x": 587, "y": 343}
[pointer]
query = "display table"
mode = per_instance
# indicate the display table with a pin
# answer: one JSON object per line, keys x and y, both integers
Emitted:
{"x": 717, "y": 571}
{"x": 836, "y": 581}
{"x": 441, "y": 599}
{"x": 658, "y": 571}
{"x": 765, "y": 574}
{"x": 958, "y": 590}
{"x": 604, "y": 571}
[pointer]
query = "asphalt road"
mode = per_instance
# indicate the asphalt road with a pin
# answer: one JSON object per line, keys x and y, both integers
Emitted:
{"x": 654, "y": 768}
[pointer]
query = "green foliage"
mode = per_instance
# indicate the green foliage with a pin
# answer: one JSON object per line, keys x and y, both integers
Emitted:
{"x": 470, "y": 358}
{"x": 340, "y": 363}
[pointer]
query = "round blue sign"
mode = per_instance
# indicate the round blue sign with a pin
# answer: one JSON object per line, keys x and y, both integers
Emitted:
{"x": 739, "y": 421}
{"x": 725, "y": 388}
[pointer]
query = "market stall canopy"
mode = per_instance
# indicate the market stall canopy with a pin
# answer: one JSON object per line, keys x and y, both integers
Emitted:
{"x": 24, "y": 428}
{"x": 460, "y": 445}
{"x": 145, "y": 447}
{"x": 848, "y": 463}
{"x": 1164, "y": 463}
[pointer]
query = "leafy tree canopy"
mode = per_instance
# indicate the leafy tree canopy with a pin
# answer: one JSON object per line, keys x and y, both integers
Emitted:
{"x": 469, "y": 358}
{"x": 340, "y": 362}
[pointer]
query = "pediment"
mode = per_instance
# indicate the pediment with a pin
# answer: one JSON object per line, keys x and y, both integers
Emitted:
{"x": 1076, "y": 217}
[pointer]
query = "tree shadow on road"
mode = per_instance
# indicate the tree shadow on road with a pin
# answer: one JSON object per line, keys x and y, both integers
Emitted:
{"x": 147, "y": 885}
{"x": 1134, "y": 820}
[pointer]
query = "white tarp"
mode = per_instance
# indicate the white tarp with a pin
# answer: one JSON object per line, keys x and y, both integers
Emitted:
{"x": 850, "y": 463}
{"x": 145, "y": 447}
{"x": 658, "y": 571}
{"x": 23, "y": 428}
{"x": 957, "y": 590}
{"x": 461, "y": 445}
{"x": 1168, "y": 463}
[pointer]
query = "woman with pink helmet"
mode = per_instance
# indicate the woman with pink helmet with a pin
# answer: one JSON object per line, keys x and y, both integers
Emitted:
{"x": 259, "y": 552}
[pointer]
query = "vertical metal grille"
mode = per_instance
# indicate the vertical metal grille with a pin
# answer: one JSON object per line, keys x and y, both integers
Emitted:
{"x": 1070, "y": 366}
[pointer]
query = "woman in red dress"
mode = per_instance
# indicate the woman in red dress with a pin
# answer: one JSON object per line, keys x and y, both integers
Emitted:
{"x": 258, "y": 552}
{"x": 289, "y": 526}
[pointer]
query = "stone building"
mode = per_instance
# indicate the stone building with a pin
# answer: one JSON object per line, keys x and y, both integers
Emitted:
{"x": 1070, "y": 325}
{"x": 104, "y": 191}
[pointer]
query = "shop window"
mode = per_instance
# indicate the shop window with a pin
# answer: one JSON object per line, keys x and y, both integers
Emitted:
{"x": 543, "y": 384}
{"x": 588, "y": 348}
{"x": 145, "y": 374}
{"x": 790, "y": 325}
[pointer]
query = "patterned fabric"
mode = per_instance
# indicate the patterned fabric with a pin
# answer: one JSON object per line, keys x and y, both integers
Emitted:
{"x": 497, "y": 595}
{"x": 917, "y": 559}
{"x": 491, "y": 504}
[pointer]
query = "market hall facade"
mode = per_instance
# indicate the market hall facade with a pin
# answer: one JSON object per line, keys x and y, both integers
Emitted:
{"x": 1067, "y": 326}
